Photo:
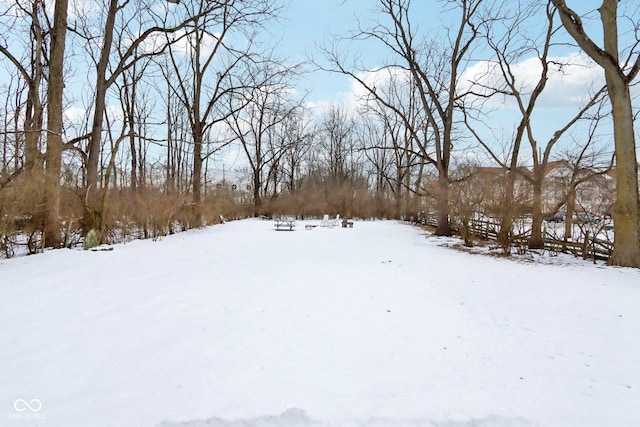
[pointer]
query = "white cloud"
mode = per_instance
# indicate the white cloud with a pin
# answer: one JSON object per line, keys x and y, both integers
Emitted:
{"x": 206, "y": 45}
{"x": 572, "y": 79}
{"x": 569, "y": 85}
{"x": 75, "y": 115}
{"x": 381, "y": 80}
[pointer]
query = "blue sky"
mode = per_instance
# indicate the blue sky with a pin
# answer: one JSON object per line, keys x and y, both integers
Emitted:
{"x": 308, "y": 23}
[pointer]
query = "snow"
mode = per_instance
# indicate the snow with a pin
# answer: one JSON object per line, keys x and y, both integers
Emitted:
{"x": 379, "y": 325}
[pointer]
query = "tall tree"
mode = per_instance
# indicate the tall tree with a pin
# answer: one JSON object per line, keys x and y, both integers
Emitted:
{"x": 618, "y": 75}
{"x": 44, "y": 73}
{"x": 55, "y": 143}
{"x": 435, "y": 70}
{"x": 297, "y": 132}
{"x": 265, "y": 107}
{"x": 209, "y": 69}
{"x": 392, "y": 147}
{"x": 32, "y": 72}
{"x": 337, "y": 141}
{"x": 142, "y": 41}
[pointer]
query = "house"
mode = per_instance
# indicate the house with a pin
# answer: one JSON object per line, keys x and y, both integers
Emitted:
{"x": 593, "y": 190}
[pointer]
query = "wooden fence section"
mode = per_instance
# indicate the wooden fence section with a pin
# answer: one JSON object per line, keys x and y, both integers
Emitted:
{"x": 587, "y": 246}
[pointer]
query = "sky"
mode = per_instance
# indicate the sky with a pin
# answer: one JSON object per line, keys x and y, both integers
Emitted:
{"x": 307, "y": 24}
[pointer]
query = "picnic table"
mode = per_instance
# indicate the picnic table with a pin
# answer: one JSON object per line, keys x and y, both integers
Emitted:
{"x": 285, "y": 223}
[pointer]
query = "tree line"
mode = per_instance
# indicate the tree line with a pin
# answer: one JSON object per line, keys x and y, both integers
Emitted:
{"x": 114, "y": 115}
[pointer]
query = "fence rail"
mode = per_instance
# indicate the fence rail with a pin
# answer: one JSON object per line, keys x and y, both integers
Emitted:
{"x": 586, "y": 246}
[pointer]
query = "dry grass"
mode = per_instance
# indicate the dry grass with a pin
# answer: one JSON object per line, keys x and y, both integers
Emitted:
{"x": 151, "y": 214}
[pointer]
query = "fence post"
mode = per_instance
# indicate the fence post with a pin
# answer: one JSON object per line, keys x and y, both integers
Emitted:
{"x": 585, "y": 245}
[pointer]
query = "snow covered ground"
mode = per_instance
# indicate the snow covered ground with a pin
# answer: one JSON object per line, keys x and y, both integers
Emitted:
{"x": 379, "y": 325}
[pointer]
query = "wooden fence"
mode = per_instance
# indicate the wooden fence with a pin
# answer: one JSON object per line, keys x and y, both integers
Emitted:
{"x": 587, "y": 246}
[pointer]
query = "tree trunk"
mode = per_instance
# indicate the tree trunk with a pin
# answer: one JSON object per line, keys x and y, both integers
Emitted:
{"x": 134, "y": 157}
{"x": 34, "y": 110}
{"x": 170, "y": 168}
{"x": 444, "y": 227}
{"x": 130, "y": 103}
{"x": 506, "y": 222}
{"x": 537, "y": 240}
{"x": 197, "y": 176}
{"x": 571, "y": 201}
{"x": 92, "y": 214}
{"x": 398, "y": 193}
{"x": 257, "y": 199}
{"x": 54, "y": 125}
{"x": 626, "y": 251}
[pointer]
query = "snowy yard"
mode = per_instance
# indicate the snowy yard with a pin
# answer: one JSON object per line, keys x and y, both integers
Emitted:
{"x": 379, "y": 325}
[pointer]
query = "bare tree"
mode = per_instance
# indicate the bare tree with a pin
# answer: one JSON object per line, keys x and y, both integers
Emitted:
{"x": 137, "y": 106}
{"x": 469, "y": 193}
{"x": 434, "y": 69}
{"x": 510, "y": 44}
{"x": 30, "y": 63}
{"x": 55, "y": 145}
{"x": 400, "y": 158}
{"x": 255, "y": 121}
{"x": 42, "y": 64}
{"x": 13, "y": 156}
{"x": 178, "y": 156}
{"x": 297, "y": 132}
{"x": 375, "y": 141}
{"x": 337, "y": 139}
{"x": 214, "y": 73}
{"x": 587, "y": 162}
{"x": 619, "y": 76}
{"x": 142, "y": 41}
